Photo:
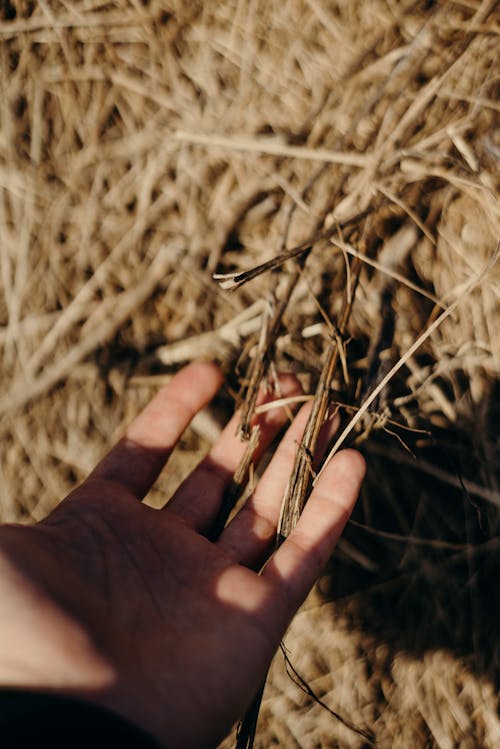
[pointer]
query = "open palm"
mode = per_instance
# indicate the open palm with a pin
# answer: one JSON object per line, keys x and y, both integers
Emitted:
{"x": 135, "y": 609}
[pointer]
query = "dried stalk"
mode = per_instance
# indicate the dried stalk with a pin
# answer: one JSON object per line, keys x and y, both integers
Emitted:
{"x": 469, "y": 287}
{"x": 237, "y": 485}
{"x": 100, "y": 331}
{"x": 270, "y": 331}
{"x": 300, "y": 480}
{"x": 387, "y": 271}
{"x": 214, "y": 342}
{"x": 301, "y": 477}
{"x": 260, "y": 361}
{"x": 236, "y": 279}
{"x": 274, "y": 147}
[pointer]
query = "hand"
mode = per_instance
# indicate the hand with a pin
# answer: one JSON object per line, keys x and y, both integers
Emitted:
{"x": 133, "y": 608}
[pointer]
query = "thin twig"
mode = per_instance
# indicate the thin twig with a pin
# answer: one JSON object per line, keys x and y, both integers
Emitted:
{"x": 274, "y": 147}
{"x": 299, "y": 680}
{"x": 299, "y": 485}
{"x": 345, "y": 247}
{"x": 261, "y": 358}
{"x": 471, "y": 487}
{"x": 236, "y": 279}
{"x": 214, "y": 342}
{"x": 300, "y": 480}
{"x": 471, "y": 285}
{"x": 124, "y": 304}
{"x": 236, "y": 486}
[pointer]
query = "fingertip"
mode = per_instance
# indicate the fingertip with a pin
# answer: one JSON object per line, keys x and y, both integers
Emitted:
{"x": 208, "y": 370}
{"x": 352, "y": 462}
{"x": 289, "y": 382}
{"x": 345, "y": 474}
{"x": 287, "y": 385}
{"x": 170, "y": 411}
{"x": 194, "y": 384}
{"x": 333, "y": 422}
{"x": 349, "y": 463}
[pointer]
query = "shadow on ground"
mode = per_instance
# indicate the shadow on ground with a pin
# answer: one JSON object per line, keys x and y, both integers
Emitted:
{"x": 419, "y": 566}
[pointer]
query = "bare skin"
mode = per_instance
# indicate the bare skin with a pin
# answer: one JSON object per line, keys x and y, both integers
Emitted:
{"x": 133, "y": 608}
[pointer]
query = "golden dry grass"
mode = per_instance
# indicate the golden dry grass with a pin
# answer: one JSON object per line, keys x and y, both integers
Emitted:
{"x": 145, "y": 146}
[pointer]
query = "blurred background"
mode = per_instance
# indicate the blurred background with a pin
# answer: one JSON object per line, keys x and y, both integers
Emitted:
{"x": 145, "y": 146}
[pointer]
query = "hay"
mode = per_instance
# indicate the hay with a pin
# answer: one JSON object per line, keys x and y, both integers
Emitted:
{"x": 145, "y": 147}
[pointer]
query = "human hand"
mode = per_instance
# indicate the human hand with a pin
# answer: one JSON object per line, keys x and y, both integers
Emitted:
{"x": 133, "y": 608}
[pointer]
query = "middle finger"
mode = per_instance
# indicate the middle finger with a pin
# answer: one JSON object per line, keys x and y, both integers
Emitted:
{"x": 198, "y": 498}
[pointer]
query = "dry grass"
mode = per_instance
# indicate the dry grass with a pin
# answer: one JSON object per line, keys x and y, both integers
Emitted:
{"x": 145, "y": 146}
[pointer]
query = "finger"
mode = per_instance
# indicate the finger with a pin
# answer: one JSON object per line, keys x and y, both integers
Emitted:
{"x": 137, "y": 459}
{"x": 299, "y": 561}
{"x": 251, "y": 534}
{"x": 199, "y": 497}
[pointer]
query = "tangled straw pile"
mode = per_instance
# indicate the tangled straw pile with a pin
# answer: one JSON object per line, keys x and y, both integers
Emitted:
{"x": 146, "y": 146}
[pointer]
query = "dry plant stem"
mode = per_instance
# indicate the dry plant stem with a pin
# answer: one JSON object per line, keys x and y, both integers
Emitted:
{"x": 100, "y": 332}
{"x": 388, "y": 271}
{"x": 469, "y": 287}
{"x": 261, "y": 359}
{"x": 270, "y": 331}
{"x": 302, "y": 473}
{"x": 299, "y": 680}
{"x": 214, "y": 342}
{"x": 424, "y": 466}
{"x": 301, "y": 476}
{"x": 300, "y": 480}
{"x": 237, "y": 485}
{"x": 247, "y": 728}
{"x": 293, "y": 504}
{"x": 275, "y": 147}
{"x": 235, "y": 280}
{"x": 264, "y": 407}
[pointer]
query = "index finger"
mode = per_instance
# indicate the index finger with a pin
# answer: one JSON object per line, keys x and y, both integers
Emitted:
{"x": 137, "y": 459}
